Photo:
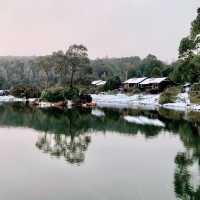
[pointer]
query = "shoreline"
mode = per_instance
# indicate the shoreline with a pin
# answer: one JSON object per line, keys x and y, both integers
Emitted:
{"x": 137, "y": 101}
{"x": 141, "y": 101}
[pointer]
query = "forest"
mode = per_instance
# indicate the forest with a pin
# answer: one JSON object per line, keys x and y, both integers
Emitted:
{"x": 33, "y": 70}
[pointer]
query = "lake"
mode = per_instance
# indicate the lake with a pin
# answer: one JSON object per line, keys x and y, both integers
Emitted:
{"x": 99, "y": 154}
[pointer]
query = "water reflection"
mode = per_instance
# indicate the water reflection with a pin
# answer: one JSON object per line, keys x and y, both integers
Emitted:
{"x": 68, "y": 133}
{"x": 185, "y": 188}
{"x": 72, "y": 148}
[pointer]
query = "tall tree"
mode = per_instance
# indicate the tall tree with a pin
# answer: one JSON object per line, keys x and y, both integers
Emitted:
{"x": 195, "y": 29}
{"x": 77, "y": 57}
{"x": 156, "y": 72}
{"x": 186, "y": 46}
{"x": 191, "y": 43}
{"x": 61, "y": 63}
{"x": 46, "y": 64}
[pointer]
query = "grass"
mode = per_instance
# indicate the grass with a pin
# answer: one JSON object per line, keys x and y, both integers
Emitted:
{"x": 132, "y": 91}
{"x": 195, "y": 93}
{"x": 169, "y": 95}
{"x": 194, "y": 117}
{"x": 171, "y": 114}
{"x": 195, "y": 97}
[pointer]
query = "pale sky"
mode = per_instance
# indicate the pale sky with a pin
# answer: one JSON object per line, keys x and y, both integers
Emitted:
{"x": 114, "y": 28}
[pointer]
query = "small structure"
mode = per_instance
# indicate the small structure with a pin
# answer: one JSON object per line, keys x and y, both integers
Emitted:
{"x": 155, "y": 84}
{"x": 98, "y": 83}
{"x": 133, "y": 82}
{"x": 186, "y": 87}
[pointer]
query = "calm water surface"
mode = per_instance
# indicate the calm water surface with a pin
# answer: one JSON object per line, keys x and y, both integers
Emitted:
{"x": 100, "y": 154}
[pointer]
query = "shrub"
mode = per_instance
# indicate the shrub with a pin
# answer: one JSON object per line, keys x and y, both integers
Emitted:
{"x": 85, "y": 98}
{"x": 26, "y": 91}
{"x": 113, "y": 83}
{"x": 169, "y": 95}
{"x": 195, "y": 93}
{"x": 166, "y": 99}
{"x": 156, "y": 72}
{"x": 93, "y": 90}
{"x": 53, "y": 94}
{"x": 71, "y": 94}
{"x": 132, "y": 91}
{"x": 60, "y": 94}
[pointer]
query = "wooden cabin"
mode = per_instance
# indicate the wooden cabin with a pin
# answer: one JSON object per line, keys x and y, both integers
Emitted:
{"x": 155, "y": 85}
{"x": 186, "y": 87}
{"x": 133, "y": 82}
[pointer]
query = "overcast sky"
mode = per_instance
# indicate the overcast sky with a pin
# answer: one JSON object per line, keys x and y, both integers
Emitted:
{"x": 113, "y": 28}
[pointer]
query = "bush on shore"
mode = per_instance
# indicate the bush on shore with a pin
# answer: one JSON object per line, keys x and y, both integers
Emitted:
{"x": 71, "y": 94}
{"x": 63, "y": 94}
{"x": 195, "y": 93}
{"x": 169, "y": 95}
{"x": 113, "y": 83}
{"x": 133, "y": 90}
{"x": 25, "y": 91}
{"x": 54, "y": 94}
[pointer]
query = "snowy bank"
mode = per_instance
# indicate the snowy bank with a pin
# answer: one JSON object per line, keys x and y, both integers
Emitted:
{"x": 182, "y": 103}
{"x": 10, "y": 99}
{"x": 124, "y": 101}
{"x": 144, "y": 101}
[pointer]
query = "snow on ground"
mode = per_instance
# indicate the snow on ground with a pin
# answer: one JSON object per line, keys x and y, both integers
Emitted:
{"x": 10, "y": 99}
{"x": 145, "y": 101}
{"x": 175, "y": 106}
{"x": 144, "y": 121}
{"x": 183, "y": 98}
{"x": 182, "y": 103}
{"x": 124, "y": 101}
{"x": 195, "y": 107}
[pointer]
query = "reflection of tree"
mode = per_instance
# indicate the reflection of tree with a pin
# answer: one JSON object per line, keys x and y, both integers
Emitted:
{"x": 185, "y": 161}
{"x": 57, "y": 121}
{"x": 76, "y": 147}
{"x": 70, "y": 147}
{"x": 184, "y": 188}
{"x": 71, "y": 144}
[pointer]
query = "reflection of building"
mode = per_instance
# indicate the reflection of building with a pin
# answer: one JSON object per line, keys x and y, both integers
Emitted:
{"x": 72, "y": 148}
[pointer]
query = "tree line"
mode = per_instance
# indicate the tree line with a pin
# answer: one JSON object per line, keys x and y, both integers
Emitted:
{"x": 58, "y": 70}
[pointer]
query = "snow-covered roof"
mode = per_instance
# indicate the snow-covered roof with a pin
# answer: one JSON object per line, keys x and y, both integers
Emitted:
{"x": 134, "y": 80}
{"x": 153, "y": 80}
{"x": 98, "y": 82}
{"x": 101, "y": 83}
{"x": 187, "y": 85}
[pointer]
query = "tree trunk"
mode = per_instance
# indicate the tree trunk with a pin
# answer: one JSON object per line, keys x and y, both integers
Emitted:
{"x": 71, "y": 80}
{"x": 47, "y": 80}
{"x": 64, "y": 75}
